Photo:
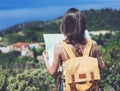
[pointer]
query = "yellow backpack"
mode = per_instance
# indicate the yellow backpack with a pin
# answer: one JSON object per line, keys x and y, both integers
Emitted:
{"x": 79, "y": 73}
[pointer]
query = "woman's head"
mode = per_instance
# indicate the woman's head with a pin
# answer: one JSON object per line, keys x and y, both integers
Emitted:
{"x": 73, "y": 26}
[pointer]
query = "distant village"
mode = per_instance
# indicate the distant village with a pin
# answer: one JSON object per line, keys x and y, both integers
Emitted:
{"x": 26, "y": 48}
{"x": 23, "y": 47}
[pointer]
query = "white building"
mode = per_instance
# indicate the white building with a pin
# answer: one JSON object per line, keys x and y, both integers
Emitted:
{"x": 5, "y": 49}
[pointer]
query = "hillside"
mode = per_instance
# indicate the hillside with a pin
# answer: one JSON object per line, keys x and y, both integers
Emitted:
{"x": 24, "y": 73}
{"x": 19, "y": 27}
{"x": 104, "y": 19}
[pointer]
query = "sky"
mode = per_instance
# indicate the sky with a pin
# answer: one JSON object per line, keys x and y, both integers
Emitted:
{"x": 14, "y": 12}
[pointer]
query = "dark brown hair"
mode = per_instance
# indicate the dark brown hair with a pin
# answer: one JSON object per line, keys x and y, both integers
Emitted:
{"x": 73, "y": 26}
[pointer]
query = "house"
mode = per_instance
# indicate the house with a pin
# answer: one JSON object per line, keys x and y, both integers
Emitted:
{"x": 22, "y": 47}
{"x": 5, "y": 49}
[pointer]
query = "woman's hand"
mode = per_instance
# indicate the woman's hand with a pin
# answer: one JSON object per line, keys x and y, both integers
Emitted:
{"x": 45, "y": 55}
{"x": 56, "y": 61}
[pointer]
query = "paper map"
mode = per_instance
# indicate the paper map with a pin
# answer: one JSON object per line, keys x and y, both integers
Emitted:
{"x": 52, "y": 39}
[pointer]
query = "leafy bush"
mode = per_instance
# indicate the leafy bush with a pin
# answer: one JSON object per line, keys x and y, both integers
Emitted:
{"x": 40, "y": 50}
{"x": 110, "y": 52}
{"x": 37, "y": 79}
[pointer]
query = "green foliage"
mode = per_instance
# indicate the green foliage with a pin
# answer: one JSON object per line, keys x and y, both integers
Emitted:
{"x": 36, "y": 79}
{"x": 52, "y": 27}
{"x": 40, "y": 50}
{"x": 103, "y": 19}
{"x": 8, "y": 59}
{"x": 12, "y": 38}
{"x": 22, "y": 73}
{"x": 110, "y": 52}
{"x": 110, "y": 78}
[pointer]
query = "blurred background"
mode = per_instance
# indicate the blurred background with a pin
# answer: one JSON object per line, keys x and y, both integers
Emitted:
{"x": 22, "y": 25}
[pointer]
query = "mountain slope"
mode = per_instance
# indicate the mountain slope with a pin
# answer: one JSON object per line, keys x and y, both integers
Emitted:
{"x": 104, "y": 19}
{"x": 28, "y": 25}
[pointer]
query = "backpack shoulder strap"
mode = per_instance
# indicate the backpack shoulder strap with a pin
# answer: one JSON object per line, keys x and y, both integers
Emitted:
{"x": 68, "y": 49}
{"x": 88, "y": 48}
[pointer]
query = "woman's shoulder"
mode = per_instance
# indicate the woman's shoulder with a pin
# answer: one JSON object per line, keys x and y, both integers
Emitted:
{"x": 94, "y": 48}
{"x": 58, "y": 47}
{"x": 94, "y": 43}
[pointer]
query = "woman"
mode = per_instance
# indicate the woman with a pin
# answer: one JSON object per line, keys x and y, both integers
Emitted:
{"x": 73, "y": 28}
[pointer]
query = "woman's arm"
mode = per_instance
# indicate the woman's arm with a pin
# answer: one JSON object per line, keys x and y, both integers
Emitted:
{"x": 96, "y": 54}
{"x": 52, "y": 69}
